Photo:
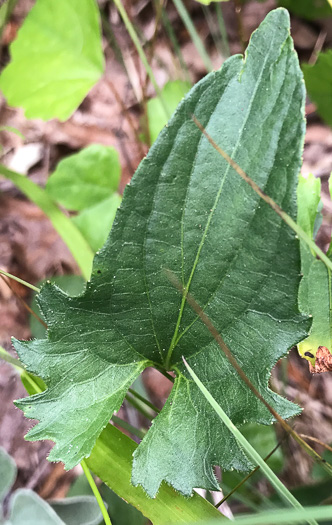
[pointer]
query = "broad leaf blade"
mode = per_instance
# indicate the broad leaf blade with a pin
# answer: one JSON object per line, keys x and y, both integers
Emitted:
{"x": 187, "y": 211}
{"x": 56, "y": 59}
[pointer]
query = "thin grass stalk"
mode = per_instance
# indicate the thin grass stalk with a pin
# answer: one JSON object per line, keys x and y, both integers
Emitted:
{"x": 285, "y": 217}
{"x": 133, "y": 35}
{"x": 127, "y": 426}
{"x": 223, "y": 31}
{"x": 174, "y": 41}
{"x": 21, "y": 281}
{"x": 96, "y": 493}
{"x": 193, "y": 34}
{"x": 23, "y": 302}
{"x": 215, "y": 334}
{"x": 243, "y": 481}
{"x": 139, "y": 407}
{"x": 256, "y": 458}
{"x": 211, "y": 26}
{"x": 146, "y": 401}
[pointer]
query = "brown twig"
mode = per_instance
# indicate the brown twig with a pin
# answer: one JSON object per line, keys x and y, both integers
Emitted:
{"x": 249, "y": 475}
{"x": 214, "y": 332}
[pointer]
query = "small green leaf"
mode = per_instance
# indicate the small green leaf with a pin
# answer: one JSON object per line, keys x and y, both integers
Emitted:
{"x": 208, "y": 2}
{"x": 172, "y": 93}
{"x": 314, "y": 294}
{"x": 86, "y": 178}
{"x": 318, "y": 79}
{"x": 56, "y": 59}
{"x": 188, "y": 212}
{"x": 28, "y": 508}
{"x": 7, "y": 474}
{"x": 95, "y": 223}
{"x": 67, "y": 230}
{"x": 310, "y": 9}
{"x": 78, "y": 510}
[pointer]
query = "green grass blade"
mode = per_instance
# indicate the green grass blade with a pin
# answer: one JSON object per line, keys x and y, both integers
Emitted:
{"x": 193, "y": 33}
{"x": 140, "y": 51}
{"x": 76, "y": 243}
{"x": 256, "y": 458}
{"x": 288, "y": 516}
{"x": 111, "y": 460}
{"x": 18, "y": 280}
{"x": 223, "y": 31}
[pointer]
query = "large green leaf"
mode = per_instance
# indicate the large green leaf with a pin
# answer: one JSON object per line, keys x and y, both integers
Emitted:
{"x": 56, "y": 58}
{"x": 318, "y": 79}
{"x": 187, "y": 211}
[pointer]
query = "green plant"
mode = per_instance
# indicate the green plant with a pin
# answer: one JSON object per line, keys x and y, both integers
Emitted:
{"x": 25, "y": 506}
{"x": 319, "y": 84}
{"x": 186, "y": 219}
{"x": 64, "y": 62}
{"x": 108, "y": 345}
{"x": 87, "y": 182}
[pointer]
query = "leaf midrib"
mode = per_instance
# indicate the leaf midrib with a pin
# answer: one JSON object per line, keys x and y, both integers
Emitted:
{"x": 175, "y": 339}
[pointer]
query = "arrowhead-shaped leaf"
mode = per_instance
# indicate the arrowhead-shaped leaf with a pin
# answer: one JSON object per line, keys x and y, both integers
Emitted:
{"x": 187, "y": 211}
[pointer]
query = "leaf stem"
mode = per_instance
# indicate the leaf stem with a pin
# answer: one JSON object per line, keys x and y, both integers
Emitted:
{"x": 96, "y": 493}
{"x": 10, "y": 359}
{"x": 139, "y": 407}
{"x": 127, "y": 426}
{"x": 172, "y": 36}
{"x": 223, "y": 31}
{"x": 144, "y": 400}
{"x": 21, "y": 281}
{"x": 256, "y": 458}
{"x": 285, "y": 217}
